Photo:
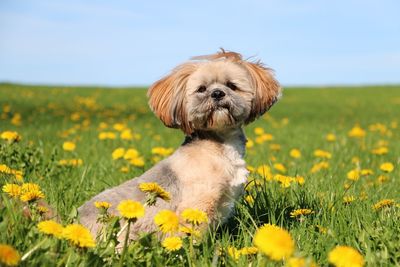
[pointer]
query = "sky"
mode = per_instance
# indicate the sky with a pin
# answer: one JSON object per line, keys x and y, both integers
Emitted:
{"x": 128, "y": 43}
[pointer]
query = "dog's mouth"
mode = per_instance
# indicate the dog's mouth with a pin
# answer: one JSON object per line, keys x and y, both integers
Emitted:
{"x": 220, "y": 115}
{"x": 221, "y": 106}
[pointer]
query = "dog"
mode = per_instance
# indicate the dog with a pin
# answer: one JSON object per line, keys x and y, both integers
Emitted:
{"x": 210, "y": 98}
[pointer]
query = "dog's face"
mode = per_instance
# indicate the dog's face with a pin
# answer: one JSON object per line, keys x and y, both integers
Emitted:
{"x": 221, "y": 91}
{"x": 219, "y": 95}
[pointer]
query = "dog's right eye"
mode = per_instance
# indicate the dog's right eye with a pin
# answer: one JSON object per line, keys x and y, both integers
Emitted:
{"x": 201, "y": 89}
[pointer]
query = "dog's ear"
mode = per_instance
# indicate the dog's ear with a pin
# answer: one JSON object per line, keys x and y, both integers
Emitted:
{"x": 167, "y": 98}
{"x": 266, "y": 89}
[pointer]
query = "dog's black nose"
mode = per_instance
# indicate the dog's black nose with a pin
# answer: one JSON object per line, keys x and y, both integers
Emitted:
{"x": 217, "y": 94}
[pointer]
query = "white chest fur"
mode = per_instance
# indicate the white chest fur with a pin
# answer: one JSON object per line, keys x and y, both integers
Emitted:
{"x": 234, "y": 152}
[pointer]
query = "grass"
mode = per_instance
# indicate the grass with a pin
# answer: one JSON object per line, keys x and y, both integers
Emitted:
{"x": 301, "y": 120}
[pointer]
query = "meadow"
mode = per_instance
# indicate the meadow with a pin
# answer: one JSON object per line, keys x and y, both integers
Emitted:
{"x": 324, "y": 168}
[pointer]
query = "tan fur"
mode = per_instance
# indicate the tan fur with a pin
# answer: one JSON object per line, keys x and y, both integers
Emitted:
{"x": 208, "y": 171}
{"x": 267, "y": 89}
{"x": 166, "y": 97}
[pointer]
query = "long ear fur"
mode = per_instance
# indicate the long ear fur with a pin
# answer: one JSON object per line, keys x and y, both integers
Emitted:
{"x": 267, "y": 89}
{"x": 167, "y": 98}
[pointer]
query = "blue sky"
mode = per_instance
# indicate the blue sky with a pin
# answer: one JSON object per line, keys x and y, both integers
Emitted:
{"x": 121, "y": 43}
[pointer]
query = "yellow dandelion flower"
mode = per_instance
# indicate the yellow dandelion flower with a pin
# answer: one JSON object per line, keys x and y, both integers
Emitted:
{"x": 155, "y": 189}
{"x": 363, "y": 196}
{"x": 264, "y": 137}
{"x": 51, "y": 228}
{"x": 382, "y": 178}
{"x": 137, "y": 162}
{"x": 75, "y": 116}
{"x": 319, "y": 166}
{"x": 301, "y": 212}
{"x": 380, "y": 150}
{"x": 167, "y": 221}
{"x": 172, "y": 243}
{"x": 300, "y": 262}
{"x": 124, "y": 169}
{"x": 119, "y": 126}
{"x": 353, "y": 175}
{"x": 284, "y": 180}
{"x": 8, "y": 255}
{"x": 248, "y": 250}
{"x": 366, "y": 172}
{"x": 189, "y": 231}
{"x": 126, "y": 135}
{"x": 69, "y": 146}
{"x": 265, "y": 171}
{"x": 156, "y": 159}
{"x": 131, "y": 153}
{"x": 16, "y": 119}
{"x": 162, "y": 151}
{"x": 30, "y": 187}
{"x": 275, "y": 147}
{"x": 251, "y": 168}
{"x": 355, "y": 160}
{"x": 357, "y": 132}
{"x": 378, "y": 127}
{"x": 280, "y": 167}
{"x": 5, "y": 169}
{"x": 118, "y": 153}
{"x": 249, "y": 199}
{"x": 18, "y": 175}
{"x": 300, "y": 180}
{"x": 384, "y": 203}
{"x": 253, "y": 183}
{"x": 42, "y": 209}
{"x": 249, "y": 143}
{"x": 107, "y": 135}
{"x": 344, "y": 256}
{"x": 274, "y": 241}
{"x": 319, "y": 153}
{"x": 348, "y": 199}
{"x": 234, "y": 253}
{"x": 347, "y": 185}
{"x": 330, "y": 137}
{"x": 103, "y": 125}
{"x": 30, "y": 192}
{"x": 31, "y": 196}
{"x": 194, "y": 216}
{"x": 130, "y": 209}
{"x": 6, "y": 108}
{"x": 321, "y": 229}
{"x": 387, "y": 167}
{"x": 259, "y": 131}
{"x": 78, "y": 235}
{"x": 10, "y": 136}
{"x": 70, "y": 162}
{"x": 295, "y": 153}
{"x": 102, "y": 204}
{"x": 13, "y": 190}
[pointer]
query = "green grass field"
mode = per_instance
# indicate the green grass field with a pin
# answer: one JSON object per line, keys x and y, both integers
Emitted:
{"x": 342, "y": 202}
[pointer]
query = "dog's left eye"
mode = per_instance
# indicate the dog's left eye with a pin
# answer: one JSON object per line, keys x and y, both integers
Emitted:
{"x": 231, "y": 85}
{"x": 201, "y": 89}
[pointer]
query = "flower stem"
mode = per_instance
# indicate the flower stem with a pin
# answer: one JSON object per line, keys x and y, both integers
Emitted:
{"x": 121, "y": 261}
{"x": 27, "y": 254}
{"x": 122, "y": 229}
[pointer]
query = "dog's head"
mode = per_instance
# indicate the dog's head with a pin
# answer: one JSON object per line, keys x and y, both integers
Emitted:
{"x": 214, "y": 92}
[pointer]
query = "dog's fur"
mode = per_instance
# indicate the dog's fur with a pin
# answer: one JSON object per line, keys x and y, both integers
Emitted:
{"x": 208, "y": 171}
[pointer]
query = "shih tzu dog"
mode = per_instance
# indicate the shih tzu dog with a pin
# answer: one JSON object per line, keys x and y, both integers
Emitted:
{"x": 209, "y": 98}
